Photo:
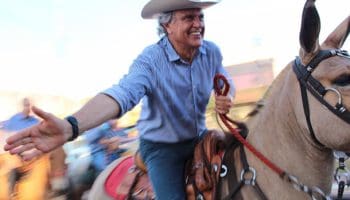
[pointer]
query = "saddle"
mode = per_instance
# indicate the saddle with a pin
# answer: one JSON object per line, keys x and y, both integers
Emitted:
{"x": 129, "y": 180}
{"x": 205, "y": 169}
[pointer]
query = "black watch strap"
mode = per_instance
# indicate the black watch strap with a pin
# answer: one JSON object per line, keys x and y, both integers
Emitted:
{"x": 75, "y": 128}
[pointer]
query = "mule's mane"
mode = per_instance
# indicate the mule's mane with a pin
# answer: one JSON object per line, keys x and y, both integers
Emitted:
{"x": 260, "y": 104}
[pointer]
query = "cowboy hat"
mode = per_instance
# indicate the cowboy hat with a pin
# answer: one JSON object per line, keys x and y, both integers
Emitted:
{"x": 155, "y": 7}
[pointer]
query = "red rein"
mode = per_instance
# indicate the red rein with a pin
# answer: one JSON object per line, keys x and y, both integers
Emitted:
{"x": 226, "y": 120}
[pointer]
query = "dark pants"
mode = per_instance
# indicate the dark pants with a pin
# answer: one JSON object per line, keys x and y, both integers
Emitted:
{"x": 166, "y": 166}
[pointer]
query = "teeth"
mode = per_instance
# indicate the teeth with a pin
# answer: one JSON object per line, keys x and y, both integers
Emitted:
{"x": 196, "y": 33}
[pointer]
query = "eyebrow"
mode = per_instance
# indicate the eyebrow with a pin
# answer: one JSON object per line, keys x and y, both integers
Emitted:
{"x": 192, "y": 15}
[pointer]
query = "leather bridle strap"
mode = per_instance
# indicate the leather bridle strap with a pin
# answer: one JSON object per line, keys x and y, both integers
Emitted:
{"x": 307, "y": 81}
{"x": 307, "y": 113}
{"x": 251, "y": 182}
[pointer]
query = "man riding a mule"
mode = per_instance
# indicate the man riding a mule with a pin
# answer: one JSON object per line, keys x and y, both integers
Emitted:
{"x": 302, "y": 119}
{"x": 172, "y": 77}
{"x": 288, "y": 153}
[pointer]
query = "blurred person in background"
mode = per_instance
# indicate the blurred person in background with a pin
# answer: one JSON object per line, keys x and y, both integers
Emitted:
{"x": 174, "y": 79}
{"x": 30, "y": 180}
{"x": 104, "y": 142}
{"x": 27, "y": 179}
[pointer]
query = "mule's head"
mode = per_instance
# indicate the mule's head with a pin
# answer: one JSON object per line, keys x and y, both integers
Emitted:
{"x": 332, "y": 71}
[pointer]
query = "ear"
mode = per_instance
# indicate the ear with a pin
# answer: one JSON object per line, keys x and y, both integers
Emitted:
{"x": 167, "y": 28}
{"x": 310, "y": 27}
{"x": 337, "y": 38}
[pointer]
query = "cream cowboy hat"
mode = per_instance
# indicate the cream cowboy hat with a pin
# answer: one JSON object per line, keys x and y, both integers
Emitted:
{"x": 155, "y": 7}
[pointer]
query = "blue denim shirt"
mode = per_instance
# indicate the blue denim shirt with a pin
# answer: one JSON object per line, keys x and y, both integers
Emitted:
{"x": 19, "y": 122}
{"x": 174, "y": 93}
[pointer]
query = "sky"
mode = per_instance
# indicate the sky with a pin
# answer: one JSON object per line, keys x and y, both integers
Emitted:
{"x": 76, "y": 48}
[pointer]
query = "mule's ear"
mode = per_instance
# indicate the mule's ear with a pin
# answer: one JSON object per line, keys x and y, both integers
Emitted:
{"x": 310, "y": 27}
{"x": 338, "y": 37}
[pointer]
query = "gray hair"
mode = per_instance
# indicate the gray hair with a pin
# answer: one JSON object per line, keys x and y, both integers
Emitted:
{"x": 164, "y": 19}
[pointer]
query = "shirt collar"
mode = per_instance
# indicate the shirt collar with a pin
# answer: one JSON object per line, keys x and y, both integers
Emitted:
{"x": 170, "y": 51}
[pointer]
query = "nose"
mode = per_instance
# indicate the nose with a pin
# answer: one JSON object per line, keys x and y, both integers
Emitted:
{"x": 198, "y": 22}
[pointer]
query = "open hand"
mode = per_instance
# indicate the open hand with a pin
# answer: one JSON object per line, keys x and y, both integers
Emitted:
{"x": 34, "y": 141}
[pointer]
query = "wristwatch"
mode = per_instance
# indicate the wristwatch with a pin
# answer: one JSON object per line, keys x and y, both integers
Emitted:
{"x": 75, "y": 128}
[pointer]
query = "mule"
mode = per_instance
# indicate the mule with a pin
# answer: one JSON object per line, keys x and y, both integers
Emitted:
{"x": 303, "y": 119}
{"x": 297, "y": 130}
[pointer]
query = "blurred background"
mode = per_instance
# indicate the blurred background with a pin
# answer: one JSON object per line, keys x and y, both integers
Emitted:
{"x": 60, "y": 53}
{"x": 67, "y": 51}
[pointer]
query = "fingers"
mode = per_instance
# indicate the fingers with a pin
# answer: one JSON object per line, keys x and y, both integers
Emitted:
{"x": 25, "y": 148}
{"x": 40, "y": 113}
{"x": 21, "y": 149}
{"x": 22, "y": 141}
{"x": 16, "y": 138}
{"x": 13, "y": 147}
{"x": 27, "y": 156}
{"x": 223, "y": 104}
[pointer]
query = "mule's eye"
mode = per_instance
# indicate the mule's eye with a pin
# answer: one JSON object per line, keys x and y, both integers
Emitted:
{"x": 342, "y": 80}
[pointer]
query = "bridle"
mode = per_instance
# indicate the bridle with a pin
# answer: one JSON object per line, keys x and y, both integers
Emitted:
{"x": 307, "y": 81}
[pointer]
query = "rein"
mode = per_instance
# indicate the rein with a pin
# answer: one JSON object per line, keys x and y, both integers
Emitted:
{"x": 226, "y": 120}
{"x": 313, "y": 192}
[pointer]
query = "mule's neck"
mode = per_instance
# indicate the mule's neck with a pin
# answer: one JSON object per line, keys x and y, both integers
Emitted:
{"x": 279, "y": 131}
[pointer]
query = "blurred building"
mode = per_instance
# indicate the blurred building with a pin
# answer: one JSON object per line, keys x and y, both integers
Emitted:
{"x": 251, "y": 79}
